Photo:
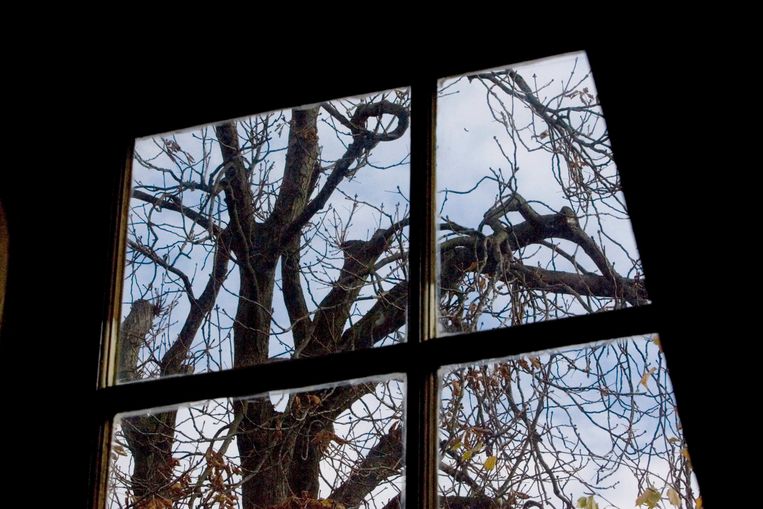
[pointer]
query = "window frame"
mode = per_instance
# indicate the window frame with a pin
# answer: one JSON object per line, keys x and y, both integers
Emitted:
{"x": 420, "y": 357}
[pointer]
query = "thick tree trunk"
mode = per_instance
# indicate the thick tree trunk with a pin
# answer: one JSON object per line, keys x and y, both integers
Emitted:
{"x": 149, "y": 437}
{"x": 264, "y": 483}
{"x": 281, "y": 452}
{"x": 276, "y": 463}
{"x": 133, "y": 332}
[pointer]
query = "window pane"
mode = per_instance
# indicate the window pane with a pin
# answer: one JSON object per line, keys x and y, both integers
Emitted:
{"x": 314, "y": 448}
{"x": 533, "y": 225}
{"x": 556, "y": 427}
{"x": 275, "y": 236}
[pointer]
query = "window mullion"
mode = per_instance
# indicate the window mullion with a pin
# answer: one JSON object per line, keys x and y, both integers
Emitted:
{"x": 422, "y": 397}
{"x": 110, "y": 326}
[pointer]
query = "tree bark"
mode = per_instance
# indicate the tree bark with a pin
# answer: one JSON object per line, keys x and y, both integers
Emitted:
{"x": 149, "y": 437}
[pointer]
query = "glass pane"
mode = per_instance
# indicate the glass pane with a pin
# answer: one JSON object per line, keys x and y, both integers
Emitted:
{"x": 574, "y": 428}
{"x": 533, "y": 225}
{"x": 320, "y": 448}
{"x": 270, "y": 237}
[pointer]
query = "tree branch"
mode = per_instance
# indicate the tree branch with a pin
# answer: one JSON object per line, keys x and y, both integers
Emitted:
{"x": 301, "y": 159}
{"x": 363, "y": 140}
{"x": 382, "y": 461}
{"x": 154, "y": 257}
{"x": 384, "y": 317}
{"x": 173, "y": 203}
{"x": 293, "y": 296}
{"x": 171, "y": 363}
{"x": 333, "y": 310}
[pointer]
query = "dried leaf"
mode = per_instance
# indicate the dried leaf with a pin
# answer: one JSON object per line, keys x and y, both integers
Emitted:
{"x": 645, "y": 377}
{"x": 490, "y": 463}
{"x": 313, "y": 399}
{"x": 119, "y": 450}
{"x": 650, "y": 497}
{"x": 536, "y": 362}
{"x": 673, "y": 497}
{"x": 467, "y": 455}
{"x": 685, "y": 454}
{"x": 324, "y": 436}
{"x": 587, "y": 503}
{"x": 456, "y": 385}
{"x": 327, "y": 502}
{"x": 155, "y": 503}
{"x": 698, "y": 503}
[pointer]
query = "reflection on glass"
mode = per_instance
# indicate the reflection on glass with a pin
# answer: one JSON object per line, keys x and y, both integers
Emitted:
{"x": 533, "y": 225}
{"x": 328, "y": 447}
{"x": 588, "y": 427}
{"x": 275, "y": 236}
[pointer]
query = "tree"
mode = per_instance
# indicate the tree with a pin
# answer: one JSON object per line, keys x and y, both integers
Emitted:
{"x": 253, "y": 241}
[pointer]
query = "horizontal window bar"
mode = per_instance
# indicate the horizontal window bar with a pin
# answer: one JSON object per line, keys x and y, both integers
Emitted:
{"x": 400, "y": 358}
{"x": 491, "y": 344}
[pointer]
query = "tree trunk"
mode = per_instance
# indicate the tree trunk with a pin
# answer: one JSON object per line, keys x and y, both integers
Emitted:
{"x": 149, "y": 437}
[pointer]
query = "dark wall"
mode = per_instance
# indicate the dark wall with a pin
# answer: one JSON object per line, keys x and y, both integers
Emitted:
{"x": 60, "y": 190}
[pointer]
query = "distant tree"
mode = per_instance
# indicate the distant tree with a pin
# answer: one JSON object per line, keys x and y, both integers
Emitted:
{"x": 254, "y": 240}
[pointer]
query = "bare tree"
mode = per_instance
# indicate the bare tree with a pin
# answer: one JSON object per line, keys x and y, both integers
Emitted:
{"x": 286, "y": 235}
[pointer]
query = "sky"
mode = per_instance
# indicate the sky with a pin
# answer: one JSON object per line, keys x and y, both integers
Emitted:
{"x": 466, "y": 152}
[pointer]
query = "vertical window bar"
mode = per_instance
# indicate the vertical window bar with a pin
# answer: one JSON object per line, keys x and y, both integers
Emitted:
{"x": 102, "y": 427}
{"x": 110, "y": 324}
{"x": 422, "y": 400}
{"x": 99, "y": 468}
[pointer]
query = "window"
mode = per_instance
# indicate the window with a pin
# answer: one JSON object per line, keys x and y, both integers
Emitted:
{"x": 415, "y": 362}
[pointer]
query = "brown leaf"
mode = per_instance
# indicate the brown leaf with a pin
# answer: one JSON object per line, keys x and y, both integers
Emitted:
{"x": 645, "y": 377}
{"x": 456, "y": 388}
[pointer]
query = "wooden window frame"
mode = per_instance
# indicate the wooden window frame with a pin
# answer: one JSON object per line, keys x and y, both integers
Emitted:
{"x": 421, "y": 356}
